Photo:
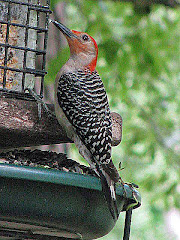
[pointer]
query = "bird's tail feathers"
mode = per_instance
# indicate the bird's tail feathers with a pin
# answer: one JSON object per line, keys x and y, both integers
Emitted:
{"x": 108, "y": 187}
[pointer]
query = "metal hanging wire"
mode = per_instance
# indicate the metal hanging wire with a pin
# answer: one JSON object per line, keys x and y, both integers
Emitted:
{"x": 127, "y": 225}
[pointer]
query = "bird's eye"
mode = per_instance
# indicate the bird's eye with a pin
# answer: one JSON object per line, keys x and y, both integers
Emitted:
{"x": 85, "y": 37}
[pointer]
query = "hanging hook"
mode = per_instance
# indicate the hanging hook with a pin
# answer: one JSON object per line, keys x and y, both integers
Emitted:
{"x": 127, "y": 225}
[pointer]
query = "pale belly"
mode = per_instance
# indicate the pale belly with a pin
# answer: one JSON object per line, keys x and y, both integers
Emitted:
{"x": 63, "y": 121}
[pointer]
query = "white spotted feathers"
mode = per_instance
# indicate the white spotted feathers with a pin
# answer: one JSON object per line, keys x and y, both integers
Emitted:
{"x": 83, "y": 99}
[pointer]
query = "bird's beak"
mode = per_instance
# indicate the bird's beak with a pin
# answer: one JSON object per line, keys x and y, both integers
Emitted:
{"x": 64, "y": 29}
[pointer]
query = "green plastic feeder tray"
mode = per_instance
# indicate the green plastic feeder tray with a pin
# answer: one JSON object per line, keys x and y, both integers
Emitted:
{"x": 56, "y": 204}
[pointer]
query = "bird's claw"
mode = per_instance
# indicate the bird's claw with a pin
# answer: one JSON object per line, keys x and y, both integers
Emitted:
{"x": 131, "y": 185}
{"x": 122, "y": 183}
{"x": 120, "y": 166}
{"x": 40, "y": 103}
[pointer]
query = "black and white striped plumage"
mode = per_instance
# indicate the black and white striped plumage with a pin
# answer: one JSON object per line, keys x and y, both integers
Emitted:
{"x": 82, "y": 97}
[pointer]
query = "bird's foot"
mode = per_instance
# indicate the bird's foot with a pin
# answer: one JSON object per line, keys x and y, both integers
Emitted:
{"x": 122, "y": 183}
{"x": 120, "y": 166}
{"x": 40, "y": 103}
{"x": 132, "y": 185}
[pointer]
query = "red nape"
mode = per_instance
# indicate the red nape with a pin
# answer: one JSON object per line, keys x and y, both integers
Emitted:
{"x": 92, "y": 65}
{"x": 77, "y": 49}
{"x": 95, "y": 44}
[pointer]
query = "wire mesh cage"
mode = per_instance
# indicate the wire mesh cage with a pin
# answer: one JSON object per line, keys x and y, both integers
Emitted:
{"x": 23, "y": 43}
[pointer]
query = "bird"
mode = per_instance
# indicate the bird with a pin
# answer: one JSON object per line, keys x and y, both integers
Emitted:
{"x": 82, "y": 109}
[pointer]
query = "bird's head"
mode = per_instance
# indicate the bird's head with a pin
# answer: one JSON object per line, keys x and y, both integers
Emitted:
{"x": 83, "y": 48}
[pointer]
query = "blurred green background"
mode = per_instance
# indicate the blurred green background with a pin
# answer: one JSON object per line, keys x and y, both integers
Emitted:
{"x": 139, "y": 62}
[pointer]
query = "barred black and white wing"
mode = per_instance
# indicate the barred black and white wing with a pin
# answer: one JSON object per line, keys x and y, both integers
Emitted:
{"x": 82, "y": 97}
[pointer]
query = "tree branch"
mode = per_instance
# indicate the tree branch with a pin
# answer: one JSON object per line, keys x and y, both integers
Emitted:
{"x": 20, "y": 126}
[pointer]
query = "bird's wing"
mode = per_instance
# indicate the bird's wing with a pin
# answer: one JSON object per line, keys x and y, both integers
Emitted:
{"x": 83, "y": 99}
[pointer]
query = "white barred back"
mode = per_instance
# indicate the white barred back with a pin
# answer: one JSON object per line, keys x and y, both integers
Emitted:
{"x": 83, "y": 99}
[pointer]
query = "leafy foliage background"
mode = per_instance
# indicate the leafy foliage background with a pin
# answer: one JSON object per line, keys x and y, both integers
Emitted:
{"x": 139, "y": 65}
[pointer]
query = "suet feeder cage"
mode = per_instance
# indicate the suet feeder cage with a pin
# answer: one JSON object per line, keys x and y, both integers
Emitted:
{"x": 38, "y": 203}
{"x": 23, "y": 43}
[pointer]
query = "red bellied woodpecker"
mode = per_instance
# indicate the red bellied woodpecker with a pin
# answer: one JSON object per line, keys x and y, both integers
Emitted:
{"x": 82, "y": 108}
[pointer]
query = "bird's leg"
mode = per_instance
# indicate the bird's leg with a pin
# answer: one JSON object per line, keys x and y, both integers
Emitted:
{"x": 122, "y": 183}
{"x": 40, "y": 103}
{"x": 131, "y": 185}
{"x": 120, "y": 166}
